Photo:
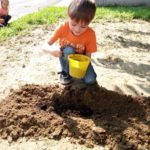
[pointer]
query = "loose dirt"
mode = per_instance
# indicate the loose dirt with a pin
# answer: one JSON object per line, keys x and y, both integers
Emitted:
{"x": 91, "y": 115}
{"x": 114, "y": 113}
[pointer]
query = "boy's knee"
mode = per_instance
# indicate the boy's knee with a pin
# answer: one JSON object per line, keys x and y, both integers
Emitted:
{"x": 89, "y": 81}
{"x": 68, "y": 50}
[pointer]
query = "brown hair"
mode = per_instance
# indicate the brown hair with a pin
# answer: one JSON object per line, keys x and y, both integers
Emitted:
{"x": 82, "y": 10}
{"x": 3, "y": 1}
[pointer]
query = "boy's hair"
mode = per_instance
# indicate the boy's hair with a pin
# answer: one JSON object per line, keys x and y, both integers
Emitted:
{"x": 4, "y": 0}
{"x": 82, "y": 10}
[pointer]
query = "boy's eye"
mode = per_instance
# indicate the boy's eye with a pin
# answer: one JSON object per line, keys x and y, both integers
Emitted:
{"x": 73, "y": 24}
{"x": 83, "y": 26}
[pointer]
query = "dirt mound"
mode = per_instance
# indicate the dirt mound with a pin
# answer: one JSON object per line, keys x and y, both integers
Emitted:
{"x": 89, "y": 115}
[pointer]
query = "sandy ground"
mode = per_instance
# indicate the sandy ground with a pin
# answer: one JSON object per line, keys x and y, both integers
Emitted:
{"x": 19, "y": 8}
{"x": 122, "y": 64}
{"x": 122, "y": 61}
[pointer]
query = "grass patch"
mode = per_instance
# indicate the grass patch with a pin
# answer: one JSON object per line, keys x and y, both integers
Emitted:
{"x": 123, "y": 13}
{"x": 52, "y": 14}
{"x": 45, "y": 16}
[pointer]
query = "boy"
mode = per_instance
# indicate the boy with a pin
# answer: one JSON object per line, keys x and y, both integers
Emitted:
{"x": 4, "y": 17}
{"x": 75, "y": 36}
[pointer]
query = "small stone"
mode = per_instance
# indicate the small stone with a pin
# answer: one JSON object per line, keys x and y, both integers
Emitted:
{"x": 120, "y": 147}
{"x": 14, "y": 135}
{"x": 89, "y": 144}
{"x": 23, "y": 66}
{"x": 57, "y": 133}
{"x": 10, "y": 139}
{"x": 98, "y": 130}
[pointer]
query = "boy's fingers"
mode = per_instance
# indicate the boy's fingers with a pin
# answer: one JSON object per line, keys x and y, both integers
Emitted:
{"x": 60, "y": 54}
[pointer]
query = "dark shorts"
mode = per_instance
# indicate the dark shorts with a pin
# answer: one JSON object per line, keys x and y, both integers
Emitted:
{"x": 6, "y": 18}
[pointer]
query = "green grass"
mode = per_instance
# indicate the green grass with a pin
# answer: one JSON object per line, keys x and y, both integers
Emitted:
{"x": 44, "y": 16}
{"x": 52, "y": 14}
{"x": 123, "y": 13}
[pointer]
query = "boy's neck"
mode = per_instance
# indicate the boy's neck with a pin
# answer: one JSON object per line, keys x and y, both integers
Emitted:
{"x": 4, "y": 6}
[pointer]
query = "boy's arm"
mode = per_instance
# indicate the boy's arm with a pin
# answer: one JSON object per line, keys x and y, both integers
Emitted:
{"x": 91, "y": 46}
{"x": 52, "y": 49}
{"x": 88, "y": 54}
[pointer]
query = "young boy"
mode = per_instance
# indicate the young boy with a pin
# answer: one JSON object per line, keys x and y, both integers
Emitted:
{"x": 4, "y": 17}
{"x": 75, "y": 36}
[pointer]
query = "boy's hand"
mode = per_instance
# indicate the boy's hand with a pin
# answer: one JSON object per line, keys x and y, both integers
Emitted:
{"x": 2, "y": 20}
{"x": 57, "y": 53}
{"x": 80, "y": 48}
{"x": 52, "y": 50}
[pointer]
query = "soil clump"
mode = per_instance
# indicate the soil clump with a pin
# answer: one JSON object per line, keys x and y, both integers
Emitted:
{"x": 88, "y": 115}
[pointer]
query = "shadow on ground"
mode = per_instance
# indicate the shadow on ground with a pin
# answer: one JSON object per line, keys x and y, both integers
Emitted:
{"x": 138, "y": 70}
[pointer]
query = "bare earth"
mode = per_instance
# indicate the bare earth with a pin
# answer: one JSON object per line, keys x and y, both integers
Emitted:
{"x": 114, "y": 114}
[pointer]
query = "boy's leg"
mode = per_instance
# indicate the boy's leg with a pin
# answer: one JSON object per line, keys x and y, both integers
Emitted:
{"x": 6, "y": 18}
{"x": 1, "y": 25}
{"x": 64, "y": 58}
{"x": 90, "y": 76}
{"x": 64, "y": 74}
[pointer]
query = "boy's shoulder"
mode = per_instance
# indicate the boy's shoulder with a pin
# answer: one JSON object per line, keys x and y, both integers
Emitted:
{"x": 64, "y": 25}
{"x": 90, "y": 31}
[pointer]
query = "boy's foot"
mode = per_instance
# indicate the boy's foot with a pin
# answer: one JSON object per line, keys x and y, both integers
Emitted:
{"x": 64, "y": 78}
{"x": 1, "y": 25}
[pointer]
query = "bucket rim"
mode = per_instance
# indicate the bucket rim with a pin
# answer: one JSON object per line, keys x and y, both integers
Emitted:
{"x": 80, "y": 55}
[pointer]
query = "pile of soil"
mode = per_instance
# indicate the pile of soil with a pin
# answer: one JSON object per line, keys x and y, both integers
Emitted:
{"x": 88, "y": 115}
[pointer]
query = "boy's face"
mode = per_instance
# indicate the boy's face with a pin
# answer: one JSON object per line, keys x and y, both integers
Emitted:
{"x": 4, "y": 3}
{"x": 77, "y": 28}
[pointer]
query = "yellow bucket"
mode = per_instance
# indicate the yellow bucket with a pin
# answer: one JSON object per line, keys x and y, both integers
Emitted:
{"x": 78, "y": 65}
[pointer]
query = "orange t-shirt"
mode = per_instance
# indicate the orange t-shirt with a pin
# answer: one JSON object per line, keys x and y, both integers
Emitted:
{"x": 86, "y": 41}
{"x": 3, "y": 11}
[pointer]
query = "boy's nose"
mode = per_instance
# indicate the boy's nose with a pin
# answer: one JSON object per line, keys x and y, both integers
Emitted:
{"x": 77, "y": 29}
